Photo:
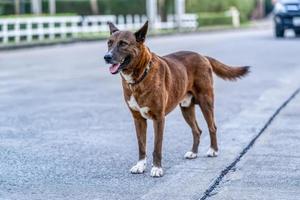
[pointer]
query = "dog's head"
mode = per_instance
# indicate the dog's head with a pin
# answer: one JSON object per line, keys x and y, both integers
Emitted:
{"x": 124, "y": 47}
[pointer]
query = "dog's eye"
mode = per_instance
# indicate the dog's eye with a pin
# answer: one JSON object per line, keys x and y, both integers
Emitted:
{"x": 122, "y": 43}
{"x": 109, "y": 43}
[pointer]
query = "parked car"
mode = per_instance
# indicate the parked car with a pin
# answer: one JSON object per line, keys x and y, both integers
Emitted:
{"x": 286, "y": 16}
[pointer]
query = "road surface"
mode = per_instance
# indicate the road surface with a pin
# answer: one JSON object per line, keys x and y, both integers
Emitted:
{"x": 66, "y": 133}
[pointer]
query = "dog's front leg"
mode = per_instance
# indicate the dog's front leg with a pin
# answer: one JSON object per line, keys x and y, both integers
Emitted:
{"x": 141, "y": 130}
{"x": 156, "y": 170}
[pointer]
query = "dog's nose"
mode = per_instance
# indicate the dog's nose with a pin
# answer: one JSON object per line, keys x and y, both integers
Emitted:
{"x": 108, "y": 57}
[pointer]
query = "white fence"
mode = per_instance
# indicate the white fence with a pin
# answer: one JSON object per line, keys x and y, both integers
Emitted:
{"x": 19, "y": 30}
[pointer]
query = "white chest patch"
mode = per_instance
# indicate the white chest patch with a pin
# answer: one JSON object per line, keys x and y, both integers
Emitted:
{"x": 132, "y": 103}
{"x": 186, "y": 102}
{"x": 127, "y": 77}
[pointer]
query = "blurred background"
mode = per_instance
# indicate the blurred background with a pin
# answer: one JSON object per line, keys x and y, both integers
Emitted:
{"x": 31, "y": 21}
{"x": 249, "y": 8}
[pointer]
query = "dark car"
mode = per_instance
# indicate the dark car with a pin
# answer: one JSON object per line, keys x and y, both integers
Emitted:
{"x": 287, "y": 16}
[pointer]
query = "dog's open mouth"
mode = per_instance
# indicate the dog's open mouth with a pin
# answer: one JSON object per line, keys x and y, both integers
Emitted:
{"x": 117, "y": 67}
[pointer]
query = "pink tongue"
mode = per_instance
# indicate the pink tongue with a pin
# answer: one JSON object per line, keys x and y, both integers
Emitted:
{"x": 114, "y": 68}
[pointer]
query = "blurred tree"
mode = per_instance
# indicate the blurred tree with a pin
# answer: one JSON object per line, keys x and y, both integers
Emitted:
{"x": 82, "y": 7}
{"x": 36, "y": 6}
{"x": 52, "y": 6}
{"x": 165, "y": 7}
{"x": 259, "y": 11}
{"x": 104, "y": 7}
{"x": 94, "y": 7}
{"x": 245, "y": 7}
{"x": 79, "y": 7}
{"x": 161, "y": 9}
{"x": 17, "y": 7}
{"x": 268, "y": 6}
{"x": 11, "y": 7}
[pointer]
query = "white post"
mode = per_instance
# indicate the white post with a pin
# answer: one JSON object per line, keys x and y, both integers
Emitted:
{"x": 36, "y": 6}
{"x": 52, "y": 7}
{"x": 63, "y": 30}
{"x": 235, "y": 14}
{"x": 40, "y": 30}
{"x": 29, "y": 30}
{"x": 137, "y": 21}
{"x": 74, "y": 27}
{"x": 129, "y": 22}
{"x": 121, "y": 22}
{"x": 51, "y": 28}
{"x": 180, "y": 10}
{"x": 17, "y": 31}
{"x": 5, "y": 32}
{"x": 152, "y": 12}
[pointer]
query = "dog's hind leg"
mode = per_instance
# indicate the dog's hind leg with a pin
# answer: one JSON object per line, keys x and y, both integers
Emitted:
{"x": 190, "y": 118}
{"x": 207, "y": 106}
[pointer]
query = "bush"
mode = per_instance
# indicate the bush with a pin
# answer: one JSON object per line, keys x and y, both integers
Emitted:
{"x": 81, "y": 7}
{"x": 210, "y": 19}
{"x": 106, "y": 7}
{"x": 268, "y": 6}
{"x": 244, "y": 6}
{"x": 6, "y": 7}
{"x": 122, "y": 7}
{"x": 1, "y": 10}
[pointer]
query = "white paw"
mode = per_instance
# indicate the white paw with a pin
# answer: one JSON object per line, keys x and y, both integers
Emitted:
{"x": 190, "y": 155}
{"x": 139, "y": 168}
{"x": 212, "y": 153}
{"x": 156, "y": 172}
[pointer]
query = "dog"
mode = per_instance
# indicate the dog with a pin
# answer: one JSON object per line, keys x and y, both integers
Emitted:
{"x": 154, "y": 85}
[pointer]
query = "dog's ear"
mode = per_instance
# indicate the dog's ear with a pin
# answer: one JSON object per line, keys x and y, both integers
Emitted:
{"x": 112, "y": 27}
{"x": 140, "y": 35}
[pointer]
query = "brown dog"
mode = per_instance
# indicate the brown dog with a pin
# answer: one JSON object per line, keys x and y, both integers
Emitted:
{"x": 153, "y": 86}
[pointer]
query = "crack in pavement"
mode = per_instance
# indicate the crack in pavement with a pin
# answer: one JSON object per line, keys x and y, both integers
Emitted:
{"x": 224, "y": 172}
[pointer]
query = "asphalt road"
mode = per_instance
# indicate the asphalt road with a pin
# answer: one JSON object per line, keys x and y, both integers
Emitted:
{"x": 270, "y": 170}
{"x": 66, "y": 133}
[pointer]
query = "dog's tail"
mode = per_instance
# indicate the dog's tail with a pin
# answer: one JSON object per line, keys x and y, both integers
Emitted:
{"x": 226, "y": 72}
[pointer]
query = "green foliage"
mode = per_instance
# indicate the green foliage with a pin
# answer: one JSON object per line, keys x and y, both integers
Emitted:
{"x": 244, "y": 6}
{"x": 32, "y": 15}
{"x": 6, "y": 7}
{"x": 1, "y": 10}
{"x": 116, "y": 7}
{"x": 82, "y": 7}
{"x": 212, "y": 18}
{"x": 268, "y": 6}
{"x": 123, "y": 6}
{"x": 79, "y": 7}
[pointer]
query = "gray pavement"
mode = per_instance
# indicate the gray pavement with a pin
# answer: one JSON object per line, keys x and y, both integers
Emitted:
{"x": 66, "y": 133}
{"x": 270, "y": 170}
